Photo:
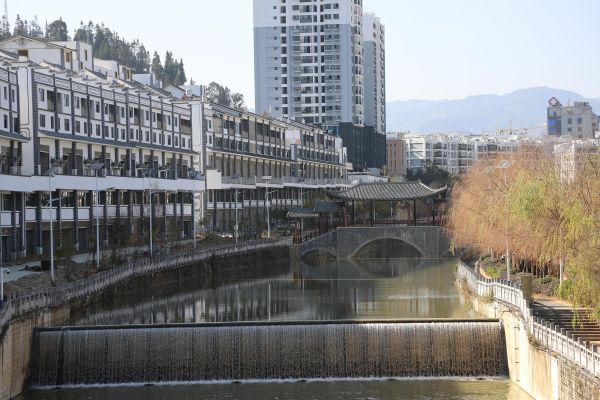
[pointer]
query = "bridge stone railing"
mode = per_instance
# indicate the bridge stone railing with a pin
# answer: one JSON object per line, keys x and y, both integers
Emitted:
{"x": 548, "y": 334}
{"x": 25, "y": 301}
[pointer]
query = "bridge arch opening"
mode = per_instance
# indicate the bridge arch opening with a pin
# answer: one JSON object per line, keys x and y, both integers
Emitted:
{"x": 318, "y": 256}
{"x": 387, "y": 248}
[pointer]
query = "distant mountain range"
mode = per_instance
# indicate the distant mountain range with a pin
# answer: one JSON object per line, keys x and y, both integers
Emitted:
{"x": 476, "y": 114}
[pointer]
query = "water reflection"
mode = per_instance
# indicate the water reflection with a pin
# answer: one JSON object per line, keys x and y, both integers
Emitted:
{"x": 339, "y": 289}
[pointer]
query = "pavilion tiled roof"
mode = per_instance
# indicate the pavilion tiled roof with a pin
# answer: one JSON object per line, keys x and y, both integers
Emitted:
{"x": 327, "y": 207}
{"x": 298, "y": 213}
{"x": 387, "y": 191}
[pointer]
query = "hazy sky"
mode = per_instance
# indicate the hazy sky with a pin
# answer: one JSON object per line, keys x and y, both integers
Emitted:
{"x": 435, "y": 49}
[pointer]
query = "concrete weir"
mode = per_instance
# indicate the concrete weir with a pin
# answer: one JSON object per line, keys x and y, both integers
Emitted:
{"x": 249, "y": 351}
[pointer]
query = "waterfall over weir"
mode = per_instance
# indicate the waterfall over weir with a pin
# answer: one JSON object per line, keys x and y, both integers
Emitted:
{"x": 243, "y": 351}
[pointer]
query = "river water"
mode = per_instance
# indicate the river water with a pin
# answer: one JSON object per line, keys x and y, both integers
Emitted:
{"x": 373, "y": 288}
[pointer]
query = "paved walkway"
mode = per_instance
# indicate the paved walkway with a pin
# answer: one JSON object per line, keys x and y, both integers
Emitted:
{"x": 14, "y": 271}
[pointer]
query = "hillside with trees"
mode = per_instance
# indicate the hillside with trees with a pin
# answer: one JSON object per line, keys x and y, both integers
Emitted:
{"x": 107, "y": 44}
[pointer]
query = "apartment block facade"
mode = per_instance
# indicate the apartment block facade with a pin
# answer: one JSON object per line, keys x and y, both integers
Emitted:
{"x": 572, "y": 155}
{"x": 577, "y": 121}
{"x": 310, "y": 67}
{"x": 374, "y": 72}
{"x": 97, "y": 142}
{"x": 255, "y": 163}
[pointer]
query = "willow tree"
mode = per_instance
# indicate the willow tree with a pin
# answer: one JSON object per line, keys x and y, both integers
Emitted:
{"x": 526, "y": 204}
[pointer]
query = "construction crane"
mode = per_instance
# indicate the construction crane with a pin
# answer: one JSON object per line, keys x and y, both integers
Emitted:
{"x": 518, "y": 131}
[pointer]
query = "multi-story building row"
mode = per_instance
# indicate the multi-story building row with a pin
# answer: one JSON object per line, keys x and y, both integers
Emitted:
{"x": 323, "y": 63}
{"x": 452, "y": 153}
{"x": 93, "y": 141}
{"x": 97, "y": 137}
{"x": 255, "y": 163}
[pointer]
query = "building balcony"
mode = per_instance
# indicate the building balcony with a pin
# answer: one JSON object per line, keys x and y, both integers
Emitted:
{"x": 67, "y": 214}
{"x": 29, "y": 184}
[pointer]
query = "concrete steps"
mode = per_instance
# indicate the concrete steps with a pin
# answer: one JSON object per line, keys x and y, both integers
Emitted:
{"x": 575, "y": 322}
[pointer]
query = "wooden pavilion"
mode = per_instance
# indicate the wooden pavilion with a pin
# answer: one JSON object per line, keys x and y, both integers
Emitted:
{"x": 369, "y": 193}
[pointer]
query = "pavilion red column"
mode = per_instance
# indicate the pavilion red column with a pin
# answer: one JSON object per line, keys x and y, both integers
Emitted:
{"x": 415, "y": 212}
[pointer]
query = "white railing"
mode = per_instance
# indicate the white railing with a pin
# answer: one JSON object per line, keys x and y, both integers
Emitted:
{"x": 546, "y": 333}
{"x": 288, "y": 180}
{"x": 29, "y": 300}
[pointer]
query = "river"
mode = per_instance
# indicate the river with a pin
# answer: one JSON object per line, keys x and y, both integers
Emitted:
{"x": 372, "y": 288}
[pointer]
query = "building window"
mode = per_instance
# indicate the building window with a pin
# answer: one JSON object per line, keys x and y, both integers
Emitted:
{"x": 77, "y": 127}
{"x": 5, "y": 121}
{"x": 67, "y": 125}
{"x": 42, "y": 121}
{"x": 5, "y": 92}
{"x": 42, "y": 95}
{"x": 579, "y": 121}
{"x": 77, "y": 104}
{"x": 67, "y": 100}
{"x": 569, "y": 120}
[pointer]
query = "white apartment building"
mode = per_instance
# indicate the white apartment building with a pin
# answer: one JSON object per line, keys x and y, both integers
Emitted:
{"x": 454, "y": 153}
{"x": 309, "y": 59}
{"x": 108, "y": 141}
{"x": 73, "y": 56}
{"x": 374, "y": 72}
{"x": 570, "y": 155}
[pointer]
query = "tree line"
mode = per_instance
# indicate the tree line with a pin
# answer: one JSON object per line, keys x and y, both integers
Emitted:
{"x": 547, "y": 214}
{"x": 106, "y": 44}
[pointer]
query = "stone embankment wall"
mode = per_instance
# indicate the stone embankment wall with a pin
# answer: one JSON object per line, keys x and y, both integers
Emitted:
{"x": 541, "y": 373}
{"x": 15, "y": 348}
{"x": 16, "y": 338}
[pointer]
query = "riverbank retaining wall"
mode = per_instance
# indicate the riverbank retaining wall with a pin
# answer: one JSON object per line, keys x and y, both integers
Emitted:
{"x": 16, "y": 337}
{"x": 543, "y": 374}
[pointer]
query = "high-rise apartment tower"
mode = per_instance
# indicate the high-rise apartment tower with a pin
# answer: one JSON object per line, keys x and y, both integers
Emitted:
{"x": 310, "y": 60}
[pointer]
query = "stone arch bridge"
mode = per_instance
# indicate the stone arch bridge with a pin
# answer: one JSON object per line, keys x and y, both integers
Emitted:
{"x": 429, "y": 241}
